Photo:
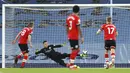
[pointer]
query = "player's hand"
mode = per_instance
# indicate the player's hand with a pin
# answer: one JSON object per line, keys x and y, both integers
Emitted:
{"x": 36, "y": 51}
{"x": 14, "y": 41}
{"x": 97, "y": 33}
{"x": 31, "y": 45}
{"x": 82, "y": 40}
{"x": 63, "y": 44}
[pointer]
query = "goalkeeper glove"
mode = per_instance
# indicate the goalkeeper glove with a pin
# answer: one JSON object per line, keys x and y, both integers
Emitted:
{"x": 36, "y": 51}
{"x": 63, "y": 44}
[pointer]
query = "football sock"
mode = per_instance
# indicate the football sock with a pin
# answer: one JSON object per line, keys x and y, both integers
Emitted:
{"x": 73, "y": 55}
{"x": 113, "y": 57}
{"x": 106, "y": 58}
{"x": 19, "y": 56}
{"x": 24, "y": 60}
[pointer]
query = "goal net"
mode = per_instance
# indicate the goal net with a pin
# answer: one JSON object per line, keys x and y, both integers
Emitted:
{"x": 50, "y": 21}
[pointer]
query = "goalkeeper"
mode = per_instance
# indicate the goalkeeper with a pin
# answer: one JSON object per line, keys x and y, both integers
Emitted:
{"x": 49, "y": 51}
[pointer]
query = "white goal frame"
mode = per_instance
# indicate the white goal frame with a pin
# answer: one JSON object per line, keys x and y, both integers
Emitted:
{"x": 44, "y": 5}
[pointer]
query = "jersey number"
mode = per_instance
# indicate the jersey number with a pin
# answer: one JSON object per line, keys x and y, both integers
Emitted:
{"x": 110, "y": 30}
{"x": 70, "y": 27}
{"x": 23, "y": 32}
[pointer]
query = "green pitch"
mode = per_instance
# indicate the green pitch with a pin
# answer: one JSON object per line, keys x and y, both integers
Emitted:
{"x": 64, "y": 70}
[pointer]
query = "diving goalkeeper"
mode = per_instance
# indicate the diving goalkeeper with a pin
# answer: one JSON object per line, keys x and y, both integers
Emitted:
{"x": 49, "y": 51}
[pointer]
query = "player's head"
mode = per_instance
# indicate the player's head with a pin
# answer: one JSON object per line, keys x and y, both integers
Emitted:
{"x": 108, "y": 20}
{"x": 45, "y": 44}
{"x": 31, "y": 25}
{"x": 76, "y": 9}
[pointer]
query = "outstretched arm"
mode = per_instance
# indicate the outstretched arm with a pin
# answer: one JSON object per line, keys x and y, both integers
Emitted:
{"x": 58, "y": 46}
{"x": 99, "y": 31}
{"x": 16, "y": 38}
{"x": 38, "y": 52}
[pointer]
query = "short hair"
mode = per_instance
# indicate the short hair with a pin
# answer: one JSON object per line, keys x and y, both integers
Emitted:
{"x": 30, "y": 24}
{"x": 109, "y": 19}
{"x": 76, "y": 9}
{"x": 44, "y": 42}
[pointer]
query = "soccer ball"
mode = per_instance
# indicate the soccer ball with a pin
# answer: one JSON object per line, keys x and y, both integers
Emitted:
{"x": 84, "y": 54}
{"x": 85, "y": 51}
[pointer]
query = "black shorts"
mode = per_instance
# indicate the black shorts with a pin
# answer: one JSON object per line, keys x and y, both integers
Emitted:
{"x": 74, "y": 44}
{"x": 110, "y": 44}
{"x": 23, "y": 47}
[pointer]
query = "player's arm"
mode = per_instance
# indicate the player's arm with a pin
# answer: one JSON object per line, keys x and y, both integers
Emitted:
{"x": 100, "y": 30}
{"x": 116, "y": 33}
{"x": 60, "y": 45}
{"x": 57, "y": 46}
{"x": 16, "y": 38}
{"x": 38, "y": 52}
{"x": 80, "y": 32}
{"x": 29, "y": 40}
{"x": 67, "y": 28}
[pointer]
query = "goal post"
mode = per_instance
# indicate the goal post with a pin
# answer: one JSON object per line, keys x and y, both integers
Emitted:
{"x": 3, "y": 36}
{"x": 49, "y": 20}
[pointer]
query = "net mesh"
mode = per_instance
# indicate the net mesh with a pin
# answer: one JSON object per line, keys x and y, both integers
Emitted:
{"x": 50, "y": 26}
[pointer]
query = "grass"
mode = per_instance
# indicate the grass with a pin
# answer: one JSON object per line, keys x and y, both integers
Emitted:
{"x": 64, "y": 70}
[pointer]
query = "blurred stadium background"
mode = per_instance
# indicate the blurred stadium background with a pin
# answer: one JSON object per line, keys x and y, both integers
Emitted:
{"x": 91, "y": 18}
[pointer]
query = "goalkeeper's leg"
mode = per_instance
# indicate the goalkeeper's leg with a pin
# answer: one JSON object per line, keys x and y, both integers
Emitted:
{"x": 61, "y": 62}
{"x": 65, "y": 55}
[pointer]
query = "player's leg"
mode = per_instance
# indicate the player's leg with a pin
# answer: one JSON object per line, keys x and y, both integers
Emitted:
{"x": 75, "y": 51}
{"x": 58, "y": 58}
{"x": 64, "y": 55}
{"x": 112, "y": 57}
{"x": 61, "y": 62}
{"x": 59, "y": 55}
{"x": 113, "y": 43}
{"x": 24, "y": 59}
{"x": 106, "y": 55}
{"x": 24, "y": 49}
{"x": 18, "y": 56}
